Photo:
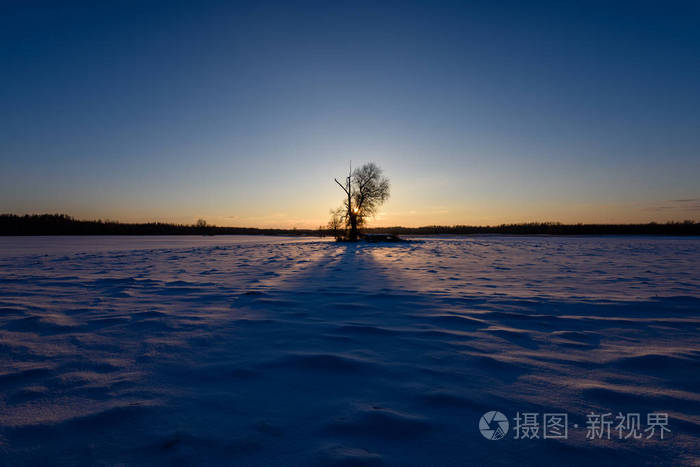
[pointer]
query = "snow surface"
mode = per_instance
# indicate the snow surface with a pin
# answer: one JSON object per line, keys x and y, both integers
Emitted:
{"x": 287, "y": 351}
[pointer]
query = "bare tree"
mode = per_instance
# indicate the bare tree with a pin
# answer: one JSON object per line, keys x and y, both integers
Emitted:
{"x": 337, "y": 223}
{"x": 202, "y": 226}
{"x": 366, "y": 189}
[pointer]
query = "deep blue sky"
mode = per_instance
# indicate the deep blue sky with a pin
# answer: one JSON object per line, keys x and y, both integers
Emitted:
{"x": 243, "y": 113}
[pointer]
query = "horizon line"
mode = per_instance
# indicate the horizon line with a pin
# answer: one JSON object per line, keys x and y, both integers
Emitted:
{"x": 71, "y": 218}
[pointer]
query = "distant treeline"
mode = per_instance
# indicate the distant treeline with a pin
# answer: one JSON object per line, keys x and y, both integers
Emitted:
{"x": 552, "y": 228}
{"x": 61, "y": 224}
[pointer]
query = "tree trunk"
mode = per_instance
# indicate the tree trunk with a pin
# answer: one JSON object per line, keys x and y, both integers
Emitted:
{"x": 351, "y": 214}
{"x": 353, "y": 228}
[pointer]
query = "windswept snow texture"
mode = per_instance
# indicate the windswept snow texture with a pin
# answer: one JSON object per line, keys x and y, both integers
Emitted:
{"x": 285, "y": 352}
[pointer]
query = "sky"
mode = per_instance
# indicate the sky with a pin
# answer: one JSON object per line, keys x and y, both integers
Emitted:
{"x": 243, "y": 113}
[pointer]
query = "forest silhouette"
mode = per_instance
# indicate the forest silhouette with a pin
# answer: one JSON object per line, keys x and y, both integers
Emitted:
{"x": 62, "y": 224}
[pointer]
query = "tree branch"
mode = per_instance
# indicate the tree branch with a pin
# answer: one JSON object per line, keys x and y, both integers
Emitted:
{"x": 341, "y": 186}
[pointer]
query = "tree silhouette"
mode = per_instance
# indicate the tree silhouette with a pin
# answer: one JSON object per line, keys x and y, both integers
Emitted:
{"x": 366, "y": 189}
{"x": 202, "y": 226}
{"x": 336, "y": 225}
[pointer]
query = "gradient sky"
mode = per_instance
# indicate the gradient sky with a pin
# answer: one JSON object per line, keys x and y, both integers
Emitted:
{"x": 242, "y": 113}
